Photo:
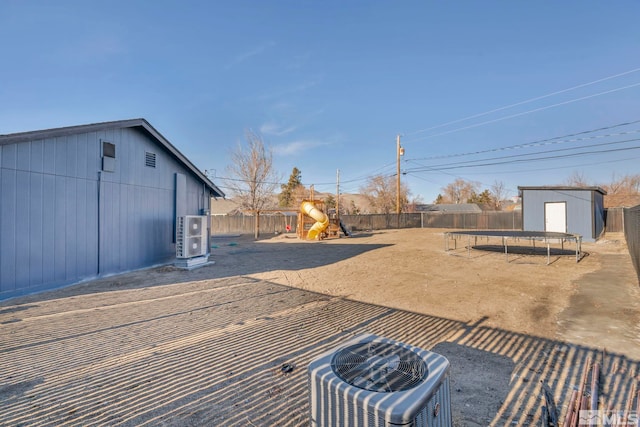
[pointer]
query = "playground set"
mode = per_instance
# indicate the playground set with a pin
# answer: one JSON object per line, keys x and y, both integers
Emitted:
{"x": 315, "y": 224}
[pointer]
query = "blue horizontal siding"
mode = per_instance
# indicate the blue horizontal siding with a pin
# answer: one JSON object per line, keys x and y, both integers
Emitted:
{"x": 63, "y": 220}
{"x": 584, "y": 210}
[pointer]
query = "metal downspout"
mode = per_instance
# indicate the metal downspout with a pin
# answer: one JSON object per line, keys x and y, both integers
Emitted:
{"x": 99, "y": 221}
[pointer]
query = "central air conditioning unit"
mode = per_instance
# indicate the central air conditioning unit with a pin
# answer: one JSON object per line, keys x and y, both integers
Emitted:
{"x": 375, "y": 381}
{"x": 191, "y": 236}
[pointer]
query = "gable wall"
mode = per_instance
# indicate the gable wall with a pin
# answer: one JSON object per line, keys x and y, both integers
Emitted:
{"x": 62, "y": 219}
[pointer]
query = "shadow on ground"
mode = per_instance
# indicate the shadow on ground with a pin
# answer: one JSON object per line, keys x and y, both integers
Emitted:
{"x": 519, "y": 254}
{"x": 210, "y": 353}
{"x": 227, "y": 253}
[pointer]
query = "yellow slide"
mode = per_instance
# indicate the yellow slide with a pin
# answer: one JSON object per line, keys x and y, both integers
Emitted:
{"x": 322, "y": 220}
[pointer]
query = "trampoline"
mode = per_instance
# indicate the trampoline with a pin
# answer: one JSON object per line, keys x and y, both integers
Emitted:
{"x": 547, "y": 238}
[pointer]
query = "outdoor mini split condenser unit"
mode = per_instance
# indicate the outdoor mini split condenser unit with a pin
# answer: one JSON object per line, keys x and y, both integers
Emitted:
{"x": 375, "y": 381}
{"x": 191, "y": 236}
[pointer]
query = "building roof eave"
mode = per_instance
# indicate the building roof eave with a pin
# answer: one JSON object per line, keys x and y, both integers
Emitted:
{"x": 563, "y": 188}
{"x": 119, "y": 124}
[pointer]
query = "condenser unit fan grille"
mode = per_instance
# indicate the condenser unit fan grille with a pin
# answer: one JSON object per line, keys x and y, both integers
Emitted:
{"x": 195, "y": 246}
{"x": 379, "y": 366}
{"x": 194, "y": 226}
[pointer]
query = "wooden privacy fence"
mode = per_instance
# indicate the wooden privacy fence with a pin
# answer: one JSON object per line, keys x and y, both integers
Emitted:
{"x": 625, "y": 220}
{"x": 632, "y": 235}
{"x": 614, "y": 220}
{"x": 245, "y": 224}
{"x": 272, "y": 224}
{"x": 483, "y": 220}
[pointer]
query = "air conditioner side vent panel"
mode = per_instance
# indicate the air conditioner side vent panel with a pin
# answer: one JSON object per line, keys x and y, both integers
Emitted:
{"x": 191, "y": 236}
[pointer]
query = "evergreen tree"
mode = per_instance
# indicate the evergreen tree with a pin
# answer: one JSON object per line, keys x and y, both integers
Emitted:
{"x": 483, "y": 198}
{"x": 330, "y": 202}
{"x": 286, "y": 198}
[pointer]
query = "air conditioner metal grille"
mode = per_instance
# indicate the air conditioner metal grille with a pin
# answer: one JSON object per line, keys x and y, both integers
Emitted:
{"x": 191, "y": 236}
{"x": 194, "y": 246}
{"x": 379, "y": 366}
{"x": 194, "y": 225}
{"x": 375, "y": 381}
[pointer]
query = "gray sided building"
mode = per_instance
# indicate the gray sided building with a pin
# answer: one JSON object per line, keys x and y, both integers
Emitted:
{"x": 86, "y": 201}
{"x": 575, "y": 210}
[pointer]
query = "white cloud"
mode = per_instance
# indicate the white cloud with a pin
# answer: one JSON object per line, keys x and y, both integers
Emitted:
{"x": 297, "y": 147}
{"x": 298, "y": 61}
{"x": 249, "y": 54}
{"x": 272, "y": 128}
{"x": 291, "y": 90}
{"x": 93, "y": 48}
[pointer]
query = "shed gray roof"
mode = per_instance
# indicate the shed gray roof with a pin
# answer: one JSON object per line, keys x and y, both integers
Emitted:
{"x": 131, "y": 123}
{"x": 564, "y": 188}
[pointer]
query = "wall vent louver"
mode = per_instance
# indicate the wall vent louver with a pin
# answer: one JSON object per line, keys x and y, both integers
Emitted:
{"x": 150, "y": 159}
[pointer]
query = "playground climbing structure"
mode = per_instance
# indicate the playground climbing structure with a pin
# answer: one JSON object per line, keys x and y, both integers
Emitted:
{"x": 314, "y": 223}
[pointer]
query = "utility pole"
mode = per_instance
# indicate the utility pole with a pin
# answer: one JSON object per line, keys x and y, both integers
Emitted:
{"x": 399, "y": 152}
{"x": 338, "y": 194}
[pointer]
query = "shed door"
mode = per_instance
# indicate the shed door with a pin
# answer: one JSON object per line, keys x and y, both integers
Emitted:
{"x": 555, "y": 217}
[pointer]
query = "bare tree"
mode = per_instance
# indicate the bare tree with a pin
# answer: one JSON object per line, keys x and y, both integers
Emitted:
{"x": 380, "y": 192}
{"x": 614, "y": 187}
{"x": 353, "y": 209}
{"x": 412, "y": 205}
{"x": 498, "y": 193}
{"x": 252, "y": 178}
{"x": 459, "y": 191}
{"x": 628, "y": 184}
{"x": 577, "y": 179}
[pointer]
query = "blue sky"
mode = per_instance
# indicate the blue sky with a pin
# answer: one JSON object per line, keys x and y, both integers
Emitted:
{"x": 329, "y": 84}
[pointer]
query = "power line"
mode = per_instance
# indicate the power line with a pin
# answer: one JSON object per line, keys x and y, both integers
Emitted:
{"x": 522, "y": 171}
{"x": 542, "y": 152}
{"x": 543, "y": 142}
{"x": 495, "y": 110}
{"x": 315, "y": 184}
{"x": 547, "y": 141}
{"x": 441, "y": 168}
{"x": 535, "y": 110}
{"x": 447, "y": 167}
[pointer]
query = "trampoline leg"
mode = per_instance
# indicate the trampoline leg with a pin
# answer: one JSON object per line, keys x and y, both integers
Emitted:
{"x": 548, "y": 253}
{"x": 469, "y": 247}
{"x": 506, "y": 253}
{"x": 578, "y": 248}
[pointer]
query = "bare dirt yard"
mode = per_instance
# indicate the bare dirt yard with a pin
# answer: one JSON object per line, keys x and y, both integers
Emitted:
{"x": 207, "y": 347}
